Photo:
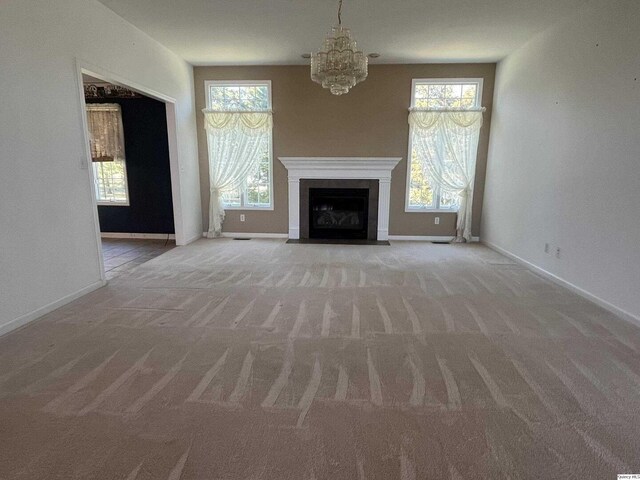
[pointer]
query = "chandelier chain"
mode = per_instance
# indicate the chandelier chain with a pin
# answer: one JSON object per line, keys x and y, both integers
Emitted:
{"x": 340, "y": 13}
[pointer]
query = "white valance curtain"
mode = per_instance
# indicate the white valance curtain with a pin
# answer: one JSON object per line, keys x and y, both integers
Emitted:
{"x": 106, "y": 132}
{"x": 236, "y": 142}
{"x": 446, "y": 144}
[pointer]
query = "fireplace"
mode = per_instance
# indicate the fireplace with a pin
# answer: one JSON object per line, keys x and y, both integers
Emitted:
{"x": 339, "y": 209}
{"x": 338, "y": 213}
{"x": 373, "y": 173}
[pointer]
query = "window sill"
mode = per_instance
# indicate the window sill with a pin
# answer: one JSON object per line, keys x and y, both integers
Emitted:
{"x": 113, "y": 204}
{"x": 256, "y": 209}
{"x": 429, "y": 210}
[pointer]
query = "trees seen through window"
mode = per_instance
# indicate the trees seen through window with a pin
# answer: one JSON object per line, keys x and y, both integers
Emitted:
{"x": 245, "y": 97}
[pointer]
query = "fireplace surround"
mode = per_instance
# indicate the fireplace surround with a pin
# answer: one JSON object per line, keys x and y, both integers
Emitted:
{"x": 340, "y": 168}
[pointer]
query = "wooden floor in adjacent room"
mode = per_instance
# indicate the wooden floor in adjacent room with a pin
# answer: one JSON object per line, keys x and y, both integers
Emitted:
{"x": 264, "y": 360}
{"x": 122, "y": 255}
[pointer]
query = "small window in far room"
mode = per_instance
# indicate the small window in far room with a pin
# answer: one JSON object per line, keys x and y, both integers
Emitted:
{"x": 106, "y": 136}
{"x": 238, "y": 96}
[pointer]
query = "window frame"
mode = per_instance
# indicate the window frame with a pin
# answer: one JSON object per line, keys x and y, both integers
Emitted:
{"x": 436, "y": 191}
{"x": 247, "y": 83}
{"x": 109, "y": 203}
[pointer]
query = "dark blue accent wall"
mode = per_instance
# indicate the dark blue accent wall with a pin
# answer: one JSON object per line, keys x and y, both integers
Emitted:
{"x": 150, "y": 207}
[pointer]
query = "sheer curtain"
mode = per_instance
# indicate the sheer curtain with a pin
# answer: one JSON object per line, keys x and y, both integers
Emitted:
{"x": 236, "y": 142}
{"x": 446, "y": 144}
{"x": 106, "y": 132}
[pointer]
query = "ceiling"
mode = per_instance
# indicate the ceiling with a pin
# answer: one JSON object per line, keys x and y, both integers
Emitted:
{"x": 255, "y": 32}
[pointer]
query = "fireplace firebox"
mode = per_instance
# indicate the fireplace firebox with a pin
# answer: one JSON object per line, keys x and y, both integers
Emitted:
{"x": 338, "y": 213}
{"x": 339, "y": 209}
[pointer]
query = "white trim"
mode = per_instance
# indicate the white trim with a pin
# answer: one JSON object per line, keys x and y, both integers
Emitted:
{"x": 29, "y": 317}
{"x": 370, "y": 167}
{"x": 86, "y": 162}
{"x": 250, "y": 208}
{"x": 566, "y": 284}
{"x": 115, "y": 204}
{"x": 85, "y": 67}
{"x": 150, "y": 236}
{"x": 375, "y": 168}
{"x": 427, "y": 238}
{"x": 111, "y": 77}
{"x": 431, "y": 210}
{"x": 250, "y": 235}
{"x": 174, "y": 171}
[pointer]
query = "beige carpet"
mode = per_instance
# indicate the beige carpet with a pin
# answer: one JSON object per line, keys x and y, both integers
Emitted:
{"x": 261, "y": 360}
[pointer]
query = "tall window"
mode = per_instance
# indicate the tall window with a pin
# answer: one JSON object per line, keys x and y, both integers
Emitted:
{"x": 107, "y": 153}
{"x": 240, "y": 96}
{"x": 436, "y": 94}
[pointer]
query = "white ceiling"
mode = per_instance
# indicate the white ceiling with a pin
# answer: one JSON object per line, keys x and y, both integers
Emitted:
{"x": 254, "y": 32}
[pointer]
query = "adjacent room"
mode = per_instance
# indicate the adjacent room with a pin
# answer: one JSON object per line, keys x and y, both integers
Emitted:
{"x": 319, "y": 240}
{"x": 129, "y": 146}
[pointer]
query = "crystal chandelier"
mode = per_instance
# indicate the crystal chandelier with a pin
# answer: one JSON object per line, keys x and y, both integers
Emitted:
{"x": 339, "y": 65}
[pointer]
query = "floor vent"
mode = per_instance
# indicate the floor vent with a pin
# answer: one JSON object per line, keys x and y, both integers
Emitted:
{"x": 440, "y": 242}
{"x": 244, "y": 238}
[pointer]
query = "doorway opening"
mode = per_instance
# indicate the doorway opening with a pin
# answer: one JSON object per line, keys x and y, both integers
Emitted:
{"x": 131, "y": 171}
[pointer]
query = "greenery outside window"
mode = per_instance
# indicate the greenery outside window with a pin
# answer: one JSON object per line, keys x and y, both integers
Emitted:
{"x": 437, "y": 94}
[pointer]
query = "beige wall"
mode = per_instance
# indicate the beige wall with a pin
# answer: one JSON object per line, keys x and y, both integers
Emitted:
{"x": 371, "y": 120}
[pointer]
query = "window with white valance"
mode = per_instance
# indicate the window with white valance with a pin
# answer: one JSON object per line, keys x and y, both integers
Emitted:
{"x": 239, "y": 126}
{"x": 445, "y": 120}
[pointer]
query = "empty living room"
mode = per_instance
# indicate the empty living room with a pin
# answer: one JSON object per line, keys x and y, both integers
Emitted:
{"x": 341, "y": 239}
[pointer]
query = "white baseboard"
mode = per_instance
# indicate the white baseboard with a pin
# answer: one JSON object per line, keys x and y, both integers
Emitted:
{"x": 423, "y": 238}
{"x": 250, "y": 235}
{"x": 427, "y": 238}
{"x": 29, "y": 317}
{"x": 254, "y": 235}
{"x": 568, "y": 285}
{"x": 150, "y": 236}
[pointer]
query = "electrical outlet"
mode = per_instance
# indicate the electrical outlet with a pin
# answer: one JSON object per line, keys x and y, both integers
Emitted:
{"x": 242, "y": 217}
{"x": 546, "y": 248}
{"x": 437, "y": 221}
{"x": 558, "y": 252}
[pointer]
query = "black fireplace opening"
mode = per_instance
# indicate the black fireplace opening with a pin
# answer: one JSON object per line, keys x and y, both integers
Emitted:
{"x": 338, "y": 213}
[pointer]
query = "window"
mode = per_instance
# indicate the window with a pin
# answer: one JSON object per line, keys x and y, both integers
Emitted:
{"x": 437, "y": 94}
{"x": 107, "y": 153}
{"x": 240, "y": 96}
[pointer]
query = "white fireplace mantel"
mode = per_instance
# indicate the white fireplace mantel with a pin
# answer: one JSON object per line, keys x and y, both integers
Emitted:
{"x": 366, "y": 168}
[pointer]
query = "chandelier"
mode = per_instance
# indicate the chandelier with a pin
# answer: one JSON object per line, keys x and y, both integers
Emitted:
{"x": 339, "y": 65}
